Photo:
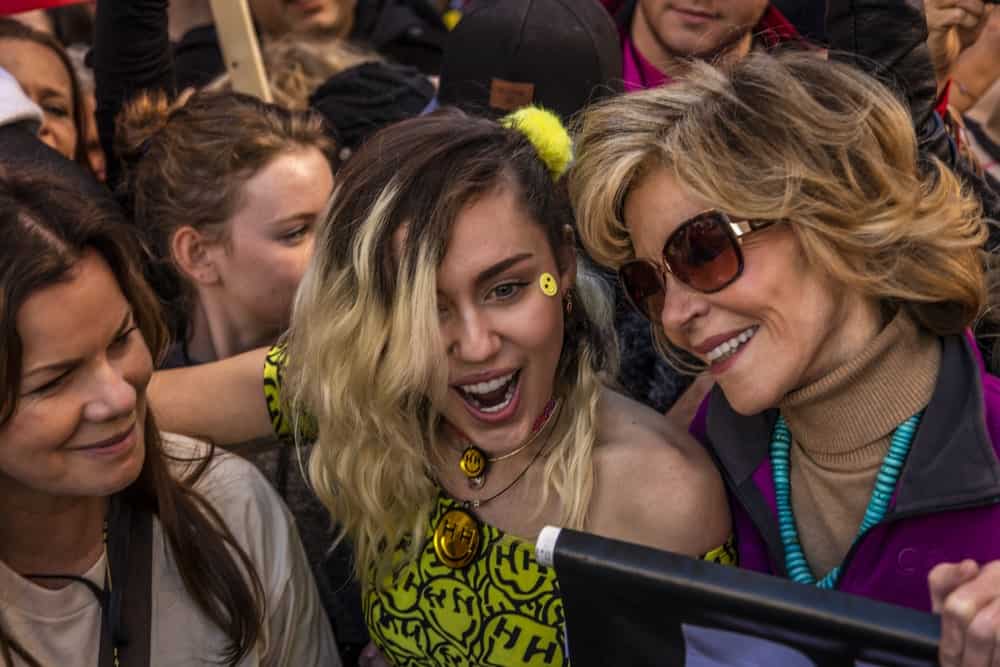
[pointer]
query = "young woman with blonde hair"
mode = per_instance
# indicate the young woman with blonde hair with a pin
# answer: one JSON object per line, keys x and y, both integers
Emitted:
{"x": 452, "y": 353}
{"x": 773, "y": 224}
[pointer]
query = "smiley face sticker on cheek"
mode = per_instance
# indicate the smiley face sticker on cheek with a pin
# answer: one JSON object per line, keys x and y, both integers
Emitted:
{"x": 548, "y": 284}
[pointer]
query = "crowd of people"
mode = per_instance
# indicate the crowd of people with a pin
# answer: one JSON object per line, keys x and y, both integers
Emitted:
{"x": 300, "y": 382}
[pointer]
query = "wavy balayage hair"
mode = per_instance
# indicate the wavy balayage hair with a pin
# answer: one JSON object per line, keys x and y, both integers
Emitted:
{"x": 366, "y": 357}
{"x": 816, "y": 144}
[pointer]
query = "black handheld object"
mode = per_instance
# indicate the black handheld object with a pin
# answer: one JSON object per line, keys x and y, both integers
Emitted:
{"x": 624, "y": 604}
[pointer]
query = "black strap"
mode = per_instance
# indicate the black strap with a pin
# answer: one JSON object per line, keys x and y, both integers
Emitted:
{"x": 130, "y": 559}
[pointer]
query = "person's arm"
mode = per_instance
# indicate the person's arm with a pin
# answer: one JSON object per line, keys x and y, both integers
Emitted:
{"x": 188, "y": 14}
{"x": 977, "y": 68}
{"x": 131, "y": 54}
{"x": 952, "y": 26}
{"x": 222, "y": 402}
{"x": 888, "y": 40}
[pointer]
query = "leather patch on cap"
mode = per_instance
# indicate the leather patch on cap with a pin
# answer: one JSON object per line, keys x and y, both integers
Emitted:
{"x": 510, "y": 95}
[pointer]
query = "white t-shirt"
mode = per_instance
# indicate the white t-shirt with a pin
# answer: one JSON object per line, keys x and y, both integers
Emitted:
{"x": 62, "y": 627}
{"x": 15, "y": 106}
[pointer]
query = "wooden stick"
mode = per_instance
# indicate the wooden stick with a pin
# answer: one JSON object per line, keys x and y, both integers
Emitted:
{"x": 240, "y": 48}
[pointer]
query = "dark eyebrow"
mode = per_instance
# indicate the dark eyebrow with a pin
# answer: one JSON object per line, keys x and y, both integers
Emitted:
{"x": 46, "y": 92}
{"x": 501, "y": 266}
{"x": 66, "y": 364}
{"x": 304, "y": 216}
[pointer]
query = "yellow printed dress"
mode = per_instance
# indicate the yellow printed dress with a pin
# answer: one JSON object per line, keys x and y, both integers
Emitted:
{"x": 502, "y": 609}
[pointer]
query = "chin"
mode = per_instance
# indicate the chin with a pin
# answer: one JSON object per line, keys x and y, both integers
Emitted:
{"x": 328, "y": 20}
{"x": 748, "y": 401}
{"x": 131, "y": 468}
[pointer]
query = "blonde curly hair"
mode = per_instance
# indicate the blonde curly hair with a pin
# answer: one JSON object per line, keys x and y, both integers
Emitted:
{"x": 365, "y": 354}
{"x": 792, "y": 137}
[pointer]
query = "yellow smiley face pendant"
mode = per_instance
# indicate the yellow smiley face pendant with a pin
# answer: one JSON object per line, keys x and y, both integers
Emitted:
{"x": 456, "y": 538}
{"x": 473, "y": 465}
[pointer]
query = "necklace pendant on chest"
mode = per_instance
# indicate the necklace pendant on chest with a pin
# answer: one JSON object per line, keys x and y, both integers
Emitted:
{"x": 456, "y": 538}
{"x": 473, "y": 466}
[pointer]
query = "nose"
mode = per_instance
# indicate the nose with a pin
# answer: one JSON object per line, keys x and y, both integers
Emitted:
{"x": 45, "y": 134}
{"x": 682, "y": 305}
{"x": 112, "y": 396}
{"x": 475, "y": 339}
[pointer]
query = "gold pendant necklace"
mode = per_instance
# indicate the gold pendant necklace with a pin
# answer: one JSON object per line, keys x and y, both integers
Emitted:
{"x": 458, "y": 532}
{"x": 474, "y": 463}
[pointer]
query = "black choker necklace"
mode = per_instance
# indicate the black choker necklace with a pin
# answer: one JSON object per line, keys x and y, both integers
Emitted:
{"x": 474, "y": 463}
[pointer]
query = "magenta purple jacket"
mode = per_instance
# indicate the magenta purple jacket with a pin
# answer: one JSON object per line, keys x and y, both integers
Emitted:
{"x": 945, "y": 507}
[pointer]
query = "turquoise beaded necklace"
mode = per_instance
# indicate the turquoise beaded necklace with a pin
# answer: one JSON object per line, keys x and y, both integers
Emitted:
{"x": 885, "y": 485}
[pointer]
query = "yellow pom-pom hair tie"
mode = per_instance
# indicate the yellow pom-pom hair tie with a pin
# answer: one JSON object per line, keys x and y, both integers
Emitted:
{"x": 547, "y": 134}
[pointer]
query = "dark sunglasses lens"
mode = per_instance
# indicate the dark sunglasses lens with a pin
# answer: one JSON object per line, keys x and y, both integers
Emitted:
{"x": 703, "y": 254}
{"x": 644, "y": 287}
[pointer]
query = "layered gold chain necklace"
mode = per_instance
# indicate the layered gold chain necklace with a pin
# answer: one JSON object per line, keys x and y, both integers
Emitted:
{"x": 457, "y": 534}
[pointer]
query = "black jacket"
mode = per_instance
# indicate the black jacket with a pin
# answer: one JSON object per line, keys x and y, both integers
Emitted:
{"x": 888, "y": 39}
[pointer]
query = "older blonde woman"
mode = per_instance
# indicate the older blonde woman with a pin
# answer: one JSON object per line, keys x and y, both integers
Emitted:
{"x": 772, "y": 223}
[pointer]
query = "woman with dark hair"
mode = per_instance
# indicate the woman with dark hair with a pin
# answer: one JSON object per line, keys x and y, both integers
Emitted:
{"x": 45, "y": 74}
{"x": 225, "y": 190}
{"x": 117, "y": 542}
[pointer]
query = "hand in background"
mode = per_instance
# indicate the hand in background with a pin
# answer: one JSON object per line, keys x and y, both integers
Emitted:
{"x": 967, "y": 595}
{"x": 372, "y": 657}
{"x": 952, "y": 26}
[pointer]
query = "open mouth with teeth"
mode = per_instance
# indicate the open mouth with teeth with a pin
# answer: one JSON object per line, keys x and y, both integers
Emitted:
{"x": 730, "y": 347}
{"x": 490, "y": 397}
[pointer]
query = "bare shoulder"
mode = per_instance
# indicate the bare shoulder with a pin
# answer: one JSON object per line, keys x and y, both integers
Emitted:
{"x": 654, "y": 483}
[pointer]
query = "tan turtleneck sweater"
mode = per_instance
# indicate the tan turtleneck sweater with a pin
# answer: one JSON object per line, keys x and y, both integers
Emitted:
{"x": 841, "y": 428}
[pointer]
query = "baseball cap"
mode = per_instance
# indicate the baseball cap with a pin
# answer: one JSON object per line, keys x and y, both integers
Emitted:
{"x": 365, "y": 98}
{"x": 506, "y": 54}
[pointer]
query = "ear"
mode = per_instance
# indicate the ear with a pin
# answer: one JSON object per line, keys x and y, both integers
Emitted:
{"x": 192, "y": 254}
{"x": 567, "y": 259}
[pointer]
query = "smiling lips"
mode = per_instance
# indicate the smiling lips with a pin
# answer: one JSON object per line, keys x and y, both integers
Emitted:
{"x": 490, "y": 396}
{"x": 109, "y": 443}
{"x": 729, "y": 347}
{"x": 308, "y": 6}
{"x": 694, "y": 14}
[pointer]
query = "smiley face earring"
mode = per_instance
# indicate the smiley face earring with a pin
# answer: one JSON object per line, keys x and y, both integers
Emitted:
{"x": 548, "y": 284}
